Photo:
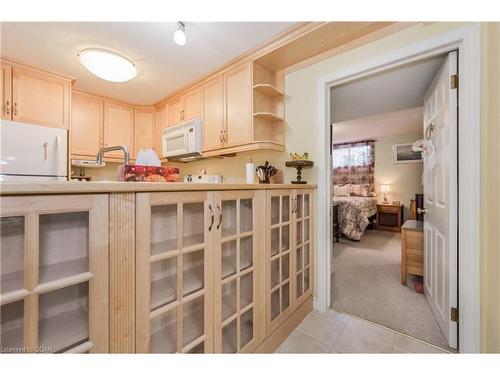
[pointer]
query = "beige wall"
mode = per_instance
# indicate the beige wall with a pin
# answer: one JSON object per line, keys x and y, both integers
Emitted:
{"x": 405, "y": 180}
{"x": 490, "y": 188}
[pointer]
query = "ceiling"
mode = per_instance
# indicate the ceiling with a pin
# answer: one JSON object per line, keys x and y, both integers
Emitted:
{"x": 163, "y": 66}
{"x": 389, "y": 91}
{"x": 407, "y": 121}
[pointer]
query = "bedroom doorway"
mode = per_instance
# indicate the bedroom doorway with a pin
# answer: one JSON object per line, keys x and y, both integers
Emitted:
{"x": 394, "y": 198}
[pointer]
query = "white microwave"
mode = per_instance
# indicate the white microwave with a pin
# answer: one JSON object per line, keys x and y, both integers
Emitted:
{"x": 182, "y": 140}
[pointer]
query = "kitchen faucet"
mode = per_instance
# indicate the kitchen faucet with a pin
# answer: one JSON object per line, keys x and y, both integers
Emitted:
{"x": 126, "y": 155}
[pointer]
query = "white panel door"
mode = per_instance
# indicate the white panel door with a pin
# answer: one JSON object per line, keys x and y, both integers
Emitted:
{"x": 440, "y": 194}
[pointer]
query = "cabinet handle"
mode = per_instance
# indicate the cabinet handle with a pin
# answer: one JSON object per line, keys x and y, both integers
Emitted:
{"x": 220, "y": 137}
{"x": 211, "y": 217}
{"x": 7, "y": 107}
{"x": 15, "y": 109}
{"x": 220, "y": 215}
{"x": 294, "y": 205}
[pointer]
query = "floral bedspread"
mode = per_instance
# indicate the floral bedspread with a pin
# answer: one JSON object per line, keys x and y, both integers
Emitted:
{"x": 354, "y": 213}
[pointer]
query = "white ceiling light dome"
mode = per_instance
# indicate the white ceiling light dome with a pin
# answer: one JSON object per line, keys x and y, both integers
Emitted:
{"x": 107, "y": 65}
{"x": 180, "y": 34}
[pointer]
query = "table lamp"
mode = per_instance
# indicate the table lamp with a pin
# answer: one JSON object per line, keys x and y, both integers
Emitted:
{"x": 385, "y": 190}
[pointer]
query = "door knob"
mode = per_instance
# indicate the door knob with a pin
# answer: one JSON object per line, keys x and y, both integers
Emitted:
{"x": 421, "y": 211}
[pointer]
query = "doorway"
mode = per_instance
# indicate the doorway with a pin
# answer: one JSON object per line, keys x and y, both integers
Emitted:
{"x": 466, "y": 41}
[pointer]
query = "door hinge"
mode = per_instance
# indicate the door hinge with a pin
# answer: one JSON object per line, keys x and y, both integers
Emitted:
{"x": 454, "y": 81}
{"x": 454, "y": 314}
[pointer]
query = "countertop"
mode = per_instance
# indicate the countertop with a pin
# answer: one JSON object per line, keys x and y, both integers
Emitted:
{"x": 71, "y": 187}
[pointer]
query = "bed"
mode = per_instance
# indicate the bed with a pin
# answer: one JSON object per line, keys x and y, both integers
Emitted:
{"x": 354, "y": 214}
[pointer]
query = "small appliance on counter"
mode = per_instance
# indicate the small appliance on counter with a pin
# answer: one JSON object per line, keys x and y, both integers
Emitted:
{"x": 31, "y": 153}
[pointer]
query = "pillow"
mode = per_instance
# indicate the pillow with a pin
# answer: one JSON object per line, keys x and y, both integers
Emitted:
{"x": 357, "y": 190}
{"x": 341, "y": 190}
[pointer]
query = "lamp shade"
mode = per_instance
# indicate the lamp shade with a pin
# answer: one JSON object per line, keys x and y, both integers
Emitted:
{"x": 385, "y": 188}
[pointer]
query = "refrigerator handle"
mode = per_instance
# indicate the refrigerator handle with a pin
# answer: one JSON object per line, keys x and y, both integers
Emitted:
{"x": 46, "y": 150}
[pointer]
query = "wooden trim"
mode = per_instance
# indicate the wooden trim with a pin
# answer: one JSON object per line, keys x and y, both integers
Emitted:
{"x": 280, "y": 333}
{"x": 18, "y": 63}
{"x": 122, "y": 272}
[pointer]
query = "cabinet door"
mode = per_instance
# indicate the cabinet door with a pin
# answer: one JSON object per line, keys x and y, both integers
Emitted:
{"x": 86, "y": 124}
{"x": 118, "y": 127}
{"x": 174, "y": 272}
{"x": 279, "y": 256}
{"x": 237, "y": 267}
{"x": 144, "y": 129}
{"x": 174, "y": 109}
{"x": 213, "y": 114}
{"x": 303, "y": 249}
{"x": 160, "y": 124}
{"x": 54, "y": 273}
{"x": 238, "y": 90}
{"x": 192, "y": 105}
{"x": 40, "y": 98}
{"x": 6, "y": 91}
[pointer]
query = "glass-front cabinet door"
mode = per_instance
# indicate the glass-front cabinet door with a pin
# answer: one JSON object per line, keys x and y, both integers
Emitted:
{"x": 173, "y": 279}
{"x": 279, "y": 256}
{"x": 303, "y": 243}
{"x": 54, "y": 274}
{"x": 236, "y": 260}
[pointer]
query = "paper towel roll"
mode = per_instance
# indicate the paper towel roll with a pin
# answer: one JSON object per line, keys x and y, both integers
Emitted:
{"x": 250, "y": 172}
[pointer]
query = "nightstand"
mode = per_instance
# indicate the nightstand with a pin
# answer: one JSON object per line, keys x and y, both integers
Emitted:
{"x": 335, "y": 217}
{"x": 390, "y": 217}
{"x": 412, "y": 249}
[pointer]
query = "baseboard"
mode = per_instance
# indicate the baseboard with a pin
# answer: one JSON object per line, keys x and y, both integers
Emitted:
{"x": 274, "y": 340}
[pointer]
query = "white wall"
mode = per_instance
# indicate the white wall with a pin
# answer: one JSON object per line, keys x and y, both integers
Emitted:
{"x": 405, "y": 180}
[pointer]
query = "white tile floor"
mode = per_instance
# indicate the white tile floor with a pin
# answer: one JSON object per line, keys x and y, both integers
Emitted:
{"x": 336, "y": 332}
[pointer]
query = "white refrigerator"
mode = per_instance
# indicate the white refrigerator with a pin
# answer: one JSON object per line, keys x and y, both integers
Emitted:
{"x": 32, "y": 153}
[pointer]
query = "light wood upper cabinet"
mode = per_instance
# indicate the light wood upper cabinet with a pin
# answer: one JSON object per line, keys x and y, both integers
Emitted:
{"x": 144, "y": 129}
{"x": 213, "y": 114}
{"x": 174, "y": 109}
{"x": 238, "y": 90}
{"x": 6, "y": 91}
{"x": 161, "y": 123}
{"x": 86, "y": 124}
{"x": 192, "y": 105}
{"x": 40, "y": 98}
{"x": 118, "y": 127}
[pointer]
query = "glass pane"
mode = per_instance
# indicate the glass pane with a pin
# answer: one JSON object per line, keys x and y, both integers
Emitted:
{"x": 246, "y": 212}
{"x": 163, "y": 282}
{"x": 285, "y": 267}
{"x": 275, "y": 241}
{"x": 163, "y": 228}
{"x": 228, "y": 299}
{"x": 306, "y": 280}
{"x": 194, "y": 224}
{"x": 246, "y": 252}
{"x": 11, "y": 318}
{"x": 299, "y": 258}
{"x": 229, "y": 338}
{"x": 299, "y": 285}
{"x": 64, "y": 245}
{"x": 285, "y": 296}
{"x": 285, "y": 209}
{"x": 193, "y": 319}
{"x": 285, "y": 237}
{"x": 299, "y": 205}
{"x": 64, "y": 317}
{"x": 246, "y": 328}
{"x": 12, "y": 253}
{"x": 198, "y": 349}
{"x": 306, "y": 229}
{"x": 307, "y": 258}
{"x": 275, "y": 210}
{"x": 306, "y": 205}
{"x": 275, "y": 272}
{"x": 299, "y": 232}
{"x": 164, "y": 332}
{"x": 193, "y": 274}
{"x": 228, "y": 258}
{"x": 246, "y": 290}
{"x": 275, "y": 304}
{"x": 228, "y": 218}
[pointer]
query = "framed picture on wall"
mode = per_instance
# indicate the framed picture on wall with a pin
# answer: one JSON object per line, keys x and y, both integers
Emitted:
{"x": 402, "y": 154}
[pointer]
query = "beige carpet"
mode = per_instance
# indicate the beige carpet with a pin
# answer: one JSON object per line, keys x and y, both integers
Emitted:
{"x": 366, "y": 282}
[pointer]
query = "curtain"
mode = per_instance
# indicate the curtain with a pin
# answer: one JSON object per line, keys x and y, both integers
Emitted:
{"x": 354, "y": 163}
